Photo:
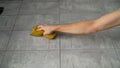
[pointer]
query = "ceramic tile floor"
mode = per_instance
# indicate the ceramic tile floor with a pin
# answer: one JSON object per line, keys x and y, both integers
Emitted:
{"x": 20, "y": 50}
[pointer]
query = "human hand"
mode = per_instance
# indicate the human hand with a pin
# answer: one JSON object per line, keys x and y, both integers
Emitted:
{"x": 48, "y": 29}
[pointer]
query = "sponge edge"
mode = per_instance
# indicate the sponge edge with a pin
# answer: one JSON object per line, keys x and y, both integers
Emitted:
{"x": 51, "y": 36}
{"x": 36, "y": 33}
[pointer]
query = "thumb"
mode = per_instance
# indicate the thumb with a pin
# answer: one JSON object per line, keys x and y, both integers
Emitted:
{"x": 39, "y": 29}
{"x": 46, "y": 33}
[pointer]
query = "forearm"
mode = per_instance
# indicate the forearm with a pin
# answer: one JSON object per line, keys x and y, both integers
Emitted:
{"x": 108, "y": 21}
{"x": 82, "y": 27}
{"x": 91, "y": 26}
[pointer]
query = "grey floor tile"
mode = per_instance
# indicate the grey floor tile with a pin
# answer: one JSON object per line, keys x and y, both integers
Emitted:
{"x": 103, "y": 40}
{"x": 99, "y": 40}
{"x": 89, "y": 59}
{"x": 111, "y": 5}
{"x": 40, "y": 8}
{"x": 2, "y": 53}
{"x": 65, "y": 41}
{"x": 54, "y": 44}
{"x": 26, "y": 22}
{"x": 109, "y": 59}
{"x": 7, "y": 22}
{"x": 85, "y": 42}
{"x": 78, "y": 6}
{"x": 31, "y": 59}
{"x": 118, "y": 52}
{"x": 111, "y": 36}
{"x": 114, "y": 33}
{"x": 80, "y": 59}
{"x": 4, "y": 38}
{"x": 116, "y": 44}
{"x": 10, "y": 8}
{"x": 21, "y": 40}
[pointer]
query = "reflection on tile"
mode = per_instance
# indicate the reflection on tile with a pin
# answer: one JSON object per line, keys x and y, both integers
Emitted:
{"x": 109, "y": 59}
{"x": 21, "y": 40}
{"x": 4, "y": 38}
{"x": 10, "y": 8}
{"x": 78, "y": 6}
{"x": 7, "y": 22}
{"x": 80, "y": 59}
{"x": 26, "y": 22}
{"x": 31, "y": 59}
{"x": 40, "y": 8}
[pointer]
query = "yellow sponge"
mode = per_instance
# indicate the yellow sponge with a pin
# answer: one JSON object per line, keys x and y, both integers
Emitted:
{"x": 34, "y": 32}
{"x": 51, "y": 36}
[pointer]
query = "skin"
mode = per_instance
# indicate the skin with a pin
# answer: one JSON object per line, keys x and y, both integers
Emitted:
{"x": 85, "y": 27}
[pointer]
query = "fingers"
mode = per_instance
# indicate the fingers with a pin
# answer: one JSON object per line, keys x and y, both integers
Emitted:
{"x": 44, "y": 27}
{"x": 41, "y": 27}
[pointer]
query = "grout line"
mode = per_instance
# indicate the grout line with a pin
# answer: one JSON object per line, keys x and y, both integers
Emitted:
{"x": 29, "y": 1}
{"x": 39, "y": 14}
{"x": 10, "y": 36}
{"x": 59, "y": 38}
{"x": 32, "y": 50}
{"x": 115, "y": 49}
{"x": 82, "y": 49}
{"x": 14, "y": 24}
{"x": 32, "y": 1}
{"x": 59, "y": 49}
{"x": 6, "y": 47}
{"x": 7, "y": 15}
{"x": 32, "y": 14}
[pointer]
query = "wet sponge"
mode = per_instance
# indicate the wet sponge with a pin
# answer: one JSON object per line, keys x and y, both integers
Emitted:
{"x": 34, "y": 32}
